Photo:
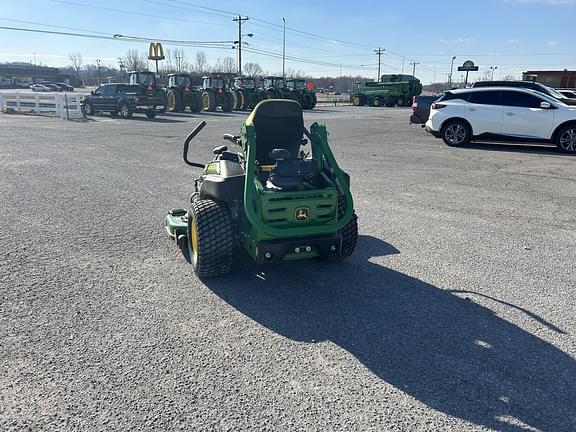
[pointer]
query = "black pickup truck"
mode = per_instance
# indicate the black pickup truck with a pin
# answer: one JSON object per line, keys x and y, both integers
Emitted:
{"x": 421, "y": 108}
{"x": 121, "y": 99}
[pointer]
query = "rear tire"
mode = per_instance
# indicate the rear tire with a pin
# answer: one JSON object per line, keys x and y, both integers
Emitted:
{"x": 196, "y": 105}
{"x": 359, "y": 100}
{"x": 174, "y": 101}
{"x": 238, "y": 100}
{"x": 228, "y": 102}
{"x": 88, "y": 108}
{"x": 209, "y": 101}
{"x": 377, "y": 101}
{"x": 400, "y": 102}
{"x": 210, "y": 238}
{"x": 150, "y": 113}
{"x": 566, "y": 139}
{"x": 455, "y": 133}
{"x": 124, "y": 110}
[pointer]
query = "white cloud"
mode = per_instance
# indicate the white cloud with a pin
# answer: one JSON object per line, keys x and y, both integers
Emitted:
{"x": 458, "y": 40}
{"x": 552, "y": 43}
{"x": 513, "y": 42}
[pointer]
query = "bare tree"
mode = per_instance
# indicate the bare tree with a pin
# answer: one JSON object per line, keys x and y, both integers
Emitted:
{"x": 252, "y": 69}
{"x": 176, "y": 61}
{"x": 228, "y": 65}
{"x": 201, "y": 65}
{"x": 133, "y": 60}
{"x": 76, "y": 62}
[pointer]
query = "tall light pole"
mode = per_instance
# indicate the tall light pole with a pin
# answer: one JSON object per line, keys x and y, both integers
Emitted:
{"x": 379, "y": 53}
{"x": 284, "y": 49}
{"x": 240, "y": 19}
{"x": 451, "y": 68}
{"x": 414, "y": 63}
{"x": 493, "y": 68}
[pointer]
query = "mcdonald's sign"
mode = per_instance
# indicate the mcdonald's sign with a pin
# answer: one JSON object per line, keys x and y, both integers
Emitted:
{"x": 155, "y": 51}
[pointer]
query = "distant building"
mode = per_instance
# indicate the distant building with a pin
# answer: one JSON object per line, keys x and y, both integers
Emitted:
{"x": 556, "y": 79}
{"x": 22, "y": 75}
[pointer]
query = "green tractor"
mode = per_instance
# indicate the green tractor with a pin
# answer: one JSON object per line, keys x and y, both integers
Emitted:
{"x": 180, "y": 94}
{"x": 275, "y": 88}
{"x": 271, "y": 199}
{"x": 306, "y": 97}
{"x": 246, "y": 95}
{"x": 215, "y": 94}
{"x": 147, "y": 80}
{"x": 394, "y": 89}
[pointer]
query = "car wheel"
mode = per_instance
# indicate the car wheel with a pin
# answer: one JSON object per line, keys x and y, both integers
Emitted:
{"x": 455, "y": 133}
{"x": 377, "y": 101}
{"x": 124, "y": 110}
{"x": 400, "y": 102}
{"x": 88, "y": 108}
{"x": 150, "y": 113}
{"x": 566, "y": 139}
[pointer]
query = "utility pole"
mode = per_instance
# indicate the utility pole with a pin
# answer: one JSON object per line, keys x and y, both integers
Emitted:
{"x": 240, "y": 19}
{"x": 98, "y": 69}
{"x": 414, "y": 68}
{"x": 379, "y": 52}
{"x": 403, "y": 64}
{"x": 284, "y": 50}
{"x": 450, "y": 77}
{"x": 121, "y": 64}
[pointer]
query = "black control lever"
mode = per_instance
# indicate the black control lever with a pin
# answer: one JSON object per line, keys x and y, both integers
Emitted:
{"x": 189, "y": 138}
{"x": 235, "y": 139}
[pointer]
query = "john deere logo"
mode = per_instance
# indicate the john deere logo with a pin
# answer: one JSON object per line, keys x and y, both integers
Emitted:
{"x": 302, "y": 214}
{"x": 155, "y": 51}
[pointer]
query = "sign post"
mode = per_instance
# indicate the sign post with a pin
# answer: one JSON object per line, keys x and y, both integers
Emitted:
{"x": 156, "y": 52}
{"x": 467, "y": 67}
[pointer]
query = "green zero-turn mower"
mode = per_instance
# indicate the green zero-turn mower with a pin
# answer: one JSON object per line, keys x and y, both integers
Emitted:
{"x": 273, "y": 199}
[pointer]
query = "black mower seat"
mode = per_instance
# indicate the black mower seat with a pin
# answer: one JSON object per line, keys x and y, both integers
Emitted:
{"x": 279, "y": 124}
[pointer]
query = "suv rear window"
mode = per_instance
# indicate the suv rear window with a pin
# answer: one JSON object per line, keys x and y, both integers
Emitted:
{"x": 484, "y": 97}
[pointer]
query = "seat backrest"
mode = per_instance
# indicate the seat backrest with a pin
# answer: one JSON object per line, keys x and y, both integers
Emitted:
{"x": 279, "y": 124}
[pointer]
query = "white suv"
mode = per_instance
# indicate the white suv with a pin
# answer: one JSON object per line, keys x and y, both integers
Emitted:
{"x": 504, "y": 114}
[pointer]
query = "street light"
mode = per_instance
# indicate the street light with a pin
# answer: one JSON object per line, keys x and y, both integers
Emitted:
{"x": 239, "y": 43}
{"x": 493, "y": 68}
{"x": 451, "y": 68}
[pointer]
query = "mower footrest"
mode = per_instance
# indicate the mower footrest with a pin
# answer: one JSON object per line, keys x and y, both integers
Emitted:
{"x": 176, "y": 223}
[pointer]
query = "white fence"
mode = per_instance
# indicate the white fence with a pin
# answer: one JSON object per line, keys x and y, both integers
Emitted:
{"x": 64, "y": 105}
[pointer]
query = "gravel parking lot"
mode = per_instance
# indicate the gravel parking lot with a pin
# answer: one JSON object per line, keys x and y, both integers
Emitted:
{"x": 456, "y": 312}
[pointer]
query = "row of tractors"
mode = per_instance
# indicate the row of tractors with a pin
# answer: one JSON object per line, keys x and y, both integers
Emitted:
{"x": 242, "y": 94}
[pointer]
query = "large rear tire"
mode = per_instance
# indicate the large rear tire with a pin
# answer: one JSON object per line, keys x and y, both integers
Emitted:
{"x": 210, "y": 238}
{"x": 174, "y": 101}
{"x": 238, "y": 98}
{"x": 306, "y": 101}
{"x": 196, "y": 103}
{"x": 227, "y": 102}
{"x": 209, "y": 101}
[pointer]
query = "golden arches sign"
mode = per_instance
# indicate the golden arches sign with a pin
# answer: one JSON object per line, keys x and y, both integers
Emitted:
{"x": 155, "y": 51}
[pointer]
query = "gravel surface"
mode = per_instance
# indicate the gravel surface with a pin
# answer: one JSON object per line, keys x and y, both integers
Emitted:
{"x": 456, "y": 312}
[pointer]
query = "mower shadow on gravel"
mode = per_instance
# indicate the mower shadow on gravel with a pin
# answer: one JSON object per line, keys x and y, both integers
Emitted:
{"x": 450, "y": 353}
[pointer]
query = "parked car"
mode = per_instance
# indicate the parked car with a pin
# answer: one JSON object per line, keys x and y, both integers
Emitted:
{"x": 569, "y": 93}
{"x": 40, "y": 88}
{"x": 504, "y": 114}
{"x": 530, "y": 85}
{"x": 421, "y": 108}
{"x": 121, "y": 99}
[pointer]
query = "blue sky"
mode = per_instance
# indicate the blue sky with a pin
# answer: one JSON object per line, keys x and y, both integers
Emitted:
{"x": 514, "y": 35}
